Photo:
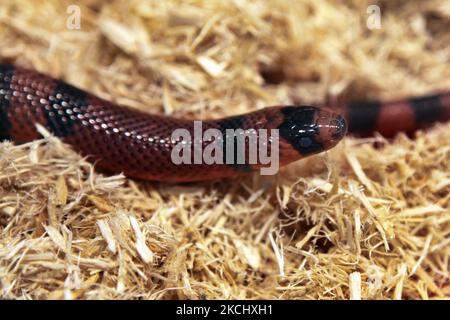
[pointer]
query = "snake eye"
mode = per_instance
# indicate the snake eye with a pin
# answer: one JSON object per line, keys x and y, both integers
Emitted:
{"x": 305, "y": 142}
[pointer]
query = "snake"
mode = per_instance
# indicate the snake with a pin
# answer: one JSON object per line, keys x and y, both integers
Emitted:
{"x": 141, "y": 145}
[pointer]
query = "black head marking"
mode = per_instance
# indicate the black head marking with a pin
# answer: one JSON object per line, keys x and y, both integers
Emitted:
{"x": 300, "y": 129}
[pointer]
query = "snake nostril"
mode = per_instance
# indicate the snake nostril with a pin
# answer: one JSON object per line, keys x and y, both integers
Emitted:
{"x": 340, "y": 126}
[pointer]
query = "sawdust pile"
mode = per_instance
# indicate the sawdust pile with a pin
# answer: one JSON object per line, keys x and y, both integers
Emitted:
{"x": 357, "y": 222}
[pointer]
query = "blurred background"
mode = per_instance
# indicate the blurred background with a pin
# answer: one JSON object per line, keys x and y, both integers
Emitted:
{"x": 231, "y": 56}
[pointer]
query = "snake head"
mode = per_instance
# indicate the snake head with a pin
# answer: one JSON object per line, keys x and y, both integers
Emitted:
{"x": 311, "y": 130}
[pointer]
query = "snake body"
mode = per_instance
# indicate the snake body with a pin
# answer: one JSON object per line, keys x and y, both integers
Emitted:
{"x": 392, "y": 117}
{"x": 121, "y": 139}
{"x": 140, "y": 145}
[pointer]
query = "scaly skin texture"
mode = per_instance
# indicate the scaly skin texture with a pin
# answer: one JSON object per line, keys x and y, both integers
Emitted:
{"x": 121, "y": 139}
